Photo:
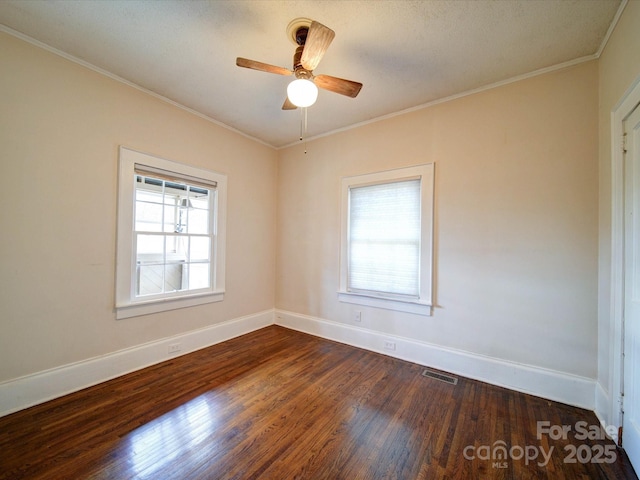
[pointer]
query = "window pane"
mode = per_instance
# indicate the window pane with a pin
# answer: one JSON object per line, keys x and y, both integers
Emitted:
{"x": 198, "y": 221}
{"x": 177, "y": 248}
{"x": 171, "y": 218}
{"x": 200, "y": 201}
{"x": 200, "y": 249}
{"x": 173, "y": 277}
{"x": 149, "y": 278}
{"x": 148, "y": 217}
{"x": 146, "y": 193}
{"x": 384, "y": 243}
{"x": 198, "y": 275}
{"x": 150, "y": 245}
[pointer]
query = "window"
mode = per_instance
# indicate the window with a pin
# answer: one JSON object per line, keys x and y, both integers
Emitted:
{"x": 387, "y": 230}
{"x": 170, "y": 251}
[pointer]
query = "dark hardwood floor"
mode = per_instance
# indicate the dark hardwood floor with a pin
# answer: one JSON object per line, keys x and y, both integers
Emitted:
{"x": 278, "y": 404}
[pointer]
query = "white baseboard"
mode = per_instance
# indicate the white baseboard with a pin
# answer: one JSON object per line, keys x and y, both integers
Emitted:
{"x": 550, "y": 384}
{"x": 30, "y": 390}
{"x": 602, "y": 404}
{"x": 602, "y": 409}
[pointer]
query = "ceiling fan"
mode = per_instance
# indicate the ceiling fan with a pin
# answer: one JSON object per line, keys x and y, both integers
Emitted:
{"x": 312, "y": 39}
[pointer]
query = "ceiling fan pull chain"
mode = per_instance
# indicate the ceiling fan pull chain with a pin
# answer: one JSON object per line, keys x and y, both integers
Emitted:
{"x": 303, "y": 127}
{"x": 305, "y": 130}
{"x": 301, "y": 123}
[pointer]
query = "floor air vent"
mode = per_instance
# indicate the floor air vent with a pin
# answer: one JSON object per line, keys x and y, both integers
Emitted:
{"x": 439, "y": 376}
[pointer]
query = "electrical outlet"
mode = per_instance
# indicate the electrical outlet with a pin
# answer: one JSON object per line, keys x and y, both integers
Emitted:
{"x": 357, "y": 317}
{"x": 389, "y": 345}
{"x": 174, "y": 347}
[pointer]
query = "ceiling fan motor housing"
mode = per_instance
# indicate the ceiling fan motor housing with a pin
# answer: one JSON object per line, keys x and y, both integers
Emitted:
{"x": 301, "y": 35}
{"x": 298, "y": 70}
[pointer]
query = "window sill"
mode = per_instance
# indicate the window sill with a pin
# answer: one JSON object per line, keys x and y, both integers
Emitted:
{"x": 165, "y": 304}
{"x": 386, "y": 303}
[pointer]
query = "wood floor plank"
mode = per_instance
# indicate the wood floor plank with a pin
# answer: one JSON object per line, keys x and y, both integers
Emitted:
{"x": 279, "y": 404}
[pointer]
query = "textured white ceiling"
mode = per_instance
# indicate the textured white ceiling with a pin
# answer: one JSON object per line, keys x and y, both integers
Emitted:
{"x": 406, "y": 53}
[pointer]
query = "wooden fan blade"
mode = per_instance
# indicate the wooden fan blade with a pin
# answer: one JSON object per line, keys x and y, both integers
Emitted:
{"x": 338, "y": 85}
{"x": 318, "y": 40}
{"x": 287, "y": 105}
{"x": 263, "y": 67}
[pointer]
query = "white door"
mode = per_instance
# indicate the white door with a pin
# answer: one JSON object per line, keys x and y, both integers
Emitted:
{"x": 631, "y": 404}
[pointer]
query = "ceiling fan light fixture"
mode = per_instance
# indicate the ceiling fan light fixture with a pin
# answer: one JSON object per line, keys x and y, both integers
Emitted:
{"x": 302, "y": 92}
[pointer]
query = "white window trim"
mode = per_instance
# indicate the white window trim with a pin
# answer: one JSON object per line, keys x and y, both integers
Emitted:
{"x": 424, "y": 303}
{"x": 126, "y": 304}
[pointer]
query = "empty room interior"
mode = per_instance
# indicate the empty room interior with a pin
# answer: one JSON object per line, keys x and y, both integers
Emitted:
{"x": 430, "y": 272}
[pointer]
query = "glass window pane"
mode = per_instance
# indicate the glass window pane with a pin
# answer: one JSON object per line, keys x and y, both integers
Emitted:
{"x": 143, "y": 194}
{"x": 198, "y": 275}
{"x": 198, "y": 221}
{"x": 200, "y": 249}
{"x": 149, "y": 279}
{"x": 182, "y": 216}
{"x": 171, "y": 218}
{"x": 199, "y": 201}
{"x": 151, "y": 246}
{"x": 148, "y": 217}
{"x": 177, "y": 248}
{"x": 173, "y": 277}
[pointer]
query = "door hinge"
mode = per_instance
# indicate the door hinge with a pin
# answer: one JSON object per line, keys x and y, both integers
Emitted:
{"x": 620, "y": 436}
{"x": 624, "y": 142}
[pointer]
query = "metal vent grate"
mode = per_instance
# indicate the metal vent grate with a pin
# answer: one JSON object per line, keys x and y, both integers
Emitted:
{"x": 439, "y": 376}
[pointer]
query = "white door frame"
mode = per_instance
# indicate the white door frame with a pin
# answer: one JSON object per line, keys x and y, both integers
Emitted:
{"x": 616, "y": 380}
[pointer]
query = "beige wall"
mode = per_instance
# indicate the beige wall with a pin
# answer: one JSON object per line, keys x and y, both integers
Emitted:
{"x": 516, "y": 220}
{"x": 619, "y": 68}
{"x": 516, "y": 212}
{"x": 60, "y": 128}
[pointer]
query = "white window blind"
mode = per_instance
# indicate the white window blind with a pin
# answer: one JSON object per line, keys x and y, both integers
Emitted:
{"x": 162, "y": 174}
{"x": 384, "y": 238}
